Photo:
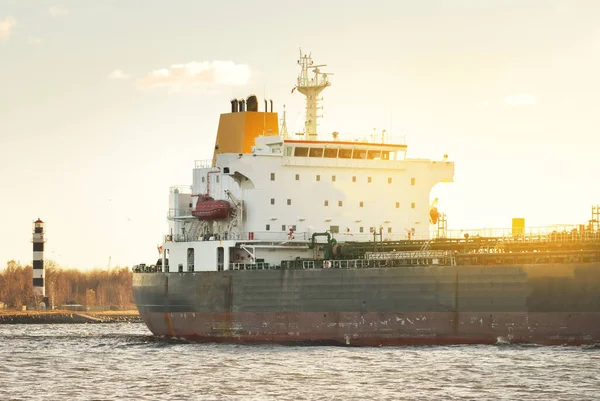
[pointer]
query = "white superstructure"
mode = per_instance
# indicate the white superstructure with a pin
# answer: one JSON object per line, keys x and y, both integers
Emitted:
{"x": 283, "y": 188}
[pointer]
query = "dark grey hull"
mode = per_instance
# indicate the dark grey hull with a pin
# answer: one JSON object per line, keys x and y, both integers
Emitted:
{"x": 544, "y": 304}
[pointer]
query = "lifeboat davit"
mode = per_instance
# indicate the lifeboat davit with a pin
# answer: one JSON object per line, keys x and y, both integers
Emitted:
{"x": 209, "y": 209}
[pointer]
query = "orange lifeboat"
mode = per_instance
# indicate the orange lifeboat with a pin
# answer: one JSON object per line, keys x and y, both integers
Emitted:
{"x": 434, "y": 214}
{"x": 209, "y": 209}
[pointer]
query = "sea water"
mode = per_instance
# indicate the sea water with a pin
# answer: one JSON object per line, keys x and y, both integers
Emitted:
{"x": 125, "y": 362}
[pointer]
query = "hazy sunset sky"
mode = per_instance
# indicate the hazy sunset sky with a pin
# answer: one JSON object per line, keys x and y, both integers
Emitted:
{"x": 106, "y": 104}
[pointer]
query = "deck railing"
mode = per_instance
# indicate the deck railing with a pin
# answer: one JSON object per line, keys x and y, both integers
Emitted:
{"x": 377, "y": 138}
{"x": 180, "y": 212}
{"x": 207, "y": 163}
{"x": 183, "y": 189}
{"x": 530, "y": 235}
{"x": 555, "y": 233}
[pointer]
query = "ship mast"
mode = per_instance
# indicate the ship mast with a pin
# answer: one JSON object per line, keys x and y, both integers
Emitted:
{"x": 283, "y": 130}
{"x": 311, "y": 82}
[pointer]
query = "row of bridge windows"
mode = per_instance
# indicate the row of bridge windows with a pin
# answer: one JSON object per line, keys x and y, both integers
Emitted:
{"x": 337, "y": 153}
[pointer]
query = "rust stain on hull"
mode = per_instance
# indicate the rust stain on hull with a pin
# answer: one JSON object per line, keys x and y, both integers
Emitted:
{"x": 169, "y": 320}
{"x": 356, "y": 329}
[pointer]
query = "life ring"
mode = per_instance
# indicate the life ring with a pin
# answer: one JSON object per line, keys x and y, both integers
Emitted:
{"x": 326, "y": 264}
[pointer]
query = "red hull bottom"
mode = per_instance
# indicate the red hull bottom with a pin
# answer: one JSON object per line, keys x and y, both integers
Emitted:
{"x": 379, "y": 328}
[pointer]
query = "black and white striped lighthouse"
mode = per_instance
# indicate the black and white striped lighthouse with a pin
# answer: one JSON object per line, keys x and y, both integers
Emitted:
{"x": 39, "y": 287}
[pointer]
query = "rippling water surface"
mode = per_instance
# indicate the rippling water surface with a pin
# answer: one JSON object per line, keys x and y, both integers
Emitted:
{"x": 123, "y": 361}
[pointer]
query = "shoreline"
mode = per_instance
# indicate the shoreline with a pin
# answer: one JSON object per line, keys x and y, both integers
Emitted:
{"x": 68, "y": 317}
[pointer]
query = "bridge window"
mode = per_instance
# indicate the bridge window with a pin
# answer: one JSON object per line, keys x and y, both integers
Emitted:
{"x": 326, "y": 203}
{"x": 353, "y": 178}
{"x": 217, "y": 177}
{"x": 331, "y": 153}
{"x": 345, "y": 154}
{"x": 297, "y": 177}
{"x": 301, "y": 152}
{"x": 361, "y": 229}
{"x": 289, "y": 202}
{"x": 272, "y": 176}
{"x": 272, "y": 201}
{"x": 413, "y": 182}
{"x": 412, "y": 205}
{"x": 283, "y": 227}
{"x": 268, "y": 227}
{"x": 374, "y": 154}
{"x": 389, "y": 230}
{"x": 288, "y": 150}
{"x": 340, "y": 203}
{"x": 389, "y": 180}
{"x": 359, "y": 154}
{"x": 369, "y": 180}
{"x": 203, "y": 179}
{"x": 362, "y": 203}
{"x": 334, "y": 229}
{"x": 316, "y": 152}
{"x": 333, "y": 178}
{"x": 385, "y": 155}
{"x": 397, "y": 205}
{"x": 318, "y": 177}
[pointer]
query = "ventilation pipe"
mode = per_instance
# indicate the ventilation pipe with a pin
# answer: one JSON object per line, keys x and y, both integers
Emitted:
{"x": 234, "y": 105}
{"x": 271, "y": 105}
{"x": 252, "y": 103}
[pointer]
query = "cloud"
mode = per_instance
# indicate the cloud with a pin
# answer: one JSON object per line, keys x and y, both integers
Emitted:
{"x": 521, "y": 99}
{"x": 118, "y": 74}
{"x": 32, "y": 40}
{"x": 6, "y": 26}
{"x": 58, "y": 12}
{"x": 198, "y": 73}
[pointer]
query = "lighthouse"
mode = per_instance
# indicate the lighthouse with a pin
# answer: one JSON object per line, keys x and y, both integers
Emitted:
{"x": 39, "y": 287}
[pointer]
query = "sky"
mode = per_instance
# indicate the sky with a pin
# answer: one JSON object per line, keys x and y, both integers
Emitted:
{"x": 104, "y": 105}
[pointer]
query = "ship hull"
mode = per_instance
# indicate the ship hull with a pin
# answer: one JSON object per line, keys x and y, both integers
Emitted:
{"x": 377, "y": 329}
{"x": 423, "y": 305}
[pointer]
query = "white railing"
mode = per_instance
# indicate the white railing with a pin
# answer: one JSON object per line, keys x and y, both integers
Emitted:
{"x": 203, "y": 163}
{"x": 183, "y": 189}
{"x": 376, "y": 138}
{"x": 251, "y": 266}
{"x": 566, "y": 233}
{"x": 555, "y": 233}
{"x": 182, "y": 212}
{"x": 407, "y": 255}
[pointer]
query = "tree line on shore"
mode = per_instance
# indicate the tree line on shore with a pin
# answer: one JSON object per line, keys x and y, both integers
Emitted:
{"x": 111, "y": 289}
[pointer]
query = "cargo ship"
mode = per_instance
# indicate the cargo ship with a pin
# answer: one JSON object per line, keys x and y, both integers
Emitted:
{"x": 305, "y": 238}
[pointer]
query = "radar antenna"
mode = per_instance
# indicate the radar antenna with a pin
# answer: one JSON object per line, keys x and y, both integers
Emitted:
{"x": 284, "y": 130}
{"x": 311, "y": 82}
